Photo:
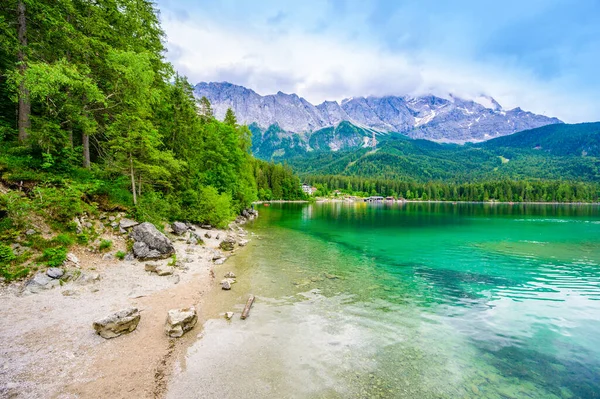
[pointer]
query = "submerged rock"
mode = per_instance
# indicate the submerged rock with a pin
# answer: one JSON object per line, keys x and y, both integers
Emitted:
{"x": 150, "y": 243}
{"x": 180, "y": 321}
{"x": 230, "y": 275}
{"x": 121, "y": 322}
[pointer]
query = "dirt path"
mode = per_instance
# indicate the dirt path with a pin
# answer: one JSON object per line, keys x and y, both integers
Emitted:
{"x": 48, "y": 347}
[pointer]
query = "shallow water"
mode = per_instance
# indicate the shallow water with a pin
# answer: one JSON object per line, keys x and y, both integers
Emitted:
{"x": 408, "y": 301}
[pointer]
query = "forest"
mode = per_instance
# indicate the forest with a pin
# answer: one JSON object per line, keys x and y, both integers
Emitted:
{"x": 93, "y": 117}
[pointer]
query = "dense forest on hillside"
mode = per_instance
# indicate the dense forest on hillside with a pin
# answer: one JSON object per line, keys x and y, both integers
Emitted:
{"x": 555, "y": 152}
{"x": 92, "y": 116}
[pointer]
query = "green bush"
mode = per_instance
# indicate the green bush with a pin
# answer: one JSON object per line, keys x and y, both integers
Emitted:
{"x": 206, "y": 206}
{"x": 54, "y": 257}
{"x": 64, "y": 240}
{"x": 6, "y": 254}
{"x": 120, "y": 255}
{"x": 105, "y": 245}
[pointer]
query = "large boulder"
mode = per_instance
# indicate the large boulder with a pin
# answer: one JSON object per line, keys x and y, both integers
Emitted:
{"x": 180, "y": 321}
{"x": 150, "y": 243}
{"x": 179, "y": 228}
{"x": 55, "y": 272}
{"x": 121, "y": 322}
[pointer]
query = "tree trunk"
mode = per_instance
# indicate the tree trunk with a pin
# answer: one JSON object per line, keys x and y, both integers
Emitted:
{"x": 140, "y": 186}
{"x": 132, "y": 179}
{"x": 24, "y": 122}
{"x": 86, "y": 150}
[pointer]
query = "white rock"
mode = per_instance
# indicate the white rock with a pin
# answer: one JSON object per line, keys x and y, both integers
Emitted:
{"x": 180, "y": 321}
{"x": 121, "y": 322}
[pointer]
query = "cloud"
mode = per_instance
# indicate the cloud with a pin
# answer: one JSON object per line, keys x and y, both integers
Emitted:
{"x": 329, "y": 64}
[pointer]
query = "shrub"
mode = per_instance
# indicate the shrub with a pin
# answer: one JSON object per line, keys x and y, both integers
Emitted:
{"x": 64, "y": 240}
{"x": 6, "y": 254}
{"x": 105, "y": 245}
{"x": 120, "y": 255}
{"x": 54, "y": 257}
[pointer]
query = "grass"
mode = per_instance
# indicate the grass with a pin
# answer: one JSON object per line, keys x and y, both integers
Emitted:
{"x": 105, "y": 245}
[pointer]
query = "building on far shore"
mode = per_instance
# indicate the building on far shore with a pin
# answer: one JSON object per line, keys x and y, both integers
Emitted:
{"x": 308, "y": 189}
{"x": 374, "y": 198}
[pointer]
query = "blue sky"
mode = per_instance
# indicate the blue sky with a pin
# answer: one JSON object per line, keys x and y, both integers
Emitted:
{"x": 541, "y": 55}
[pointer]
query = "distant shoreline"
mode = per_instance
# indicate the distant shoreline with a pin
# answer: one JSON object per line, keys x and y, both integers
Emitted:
{"x": 335, "y": 200}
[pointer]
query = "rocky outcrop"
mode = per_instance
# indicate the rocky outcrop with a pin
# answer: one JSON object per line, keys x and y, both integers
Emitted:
{"x": 150, "y": 243}
{"x": 179, "y": 228}
{"x": 121, "y": 322}
{"x": 40, "y": 282}
{"x": 180, "y": 321}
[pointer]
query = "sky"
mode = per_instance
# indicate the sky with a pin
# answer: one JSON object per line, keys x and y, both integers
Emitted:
{"x": 540, "y": 55}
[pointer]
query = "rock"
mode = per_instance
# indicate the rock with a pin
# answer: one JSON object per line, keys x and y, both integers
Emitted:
{"x": 88, "y": 225}
{"x": 111, "y": 218}
{"x": 228, "y": 315}
{"x": 217, "y": 255}
{"x": 55, "y": 272}
{"x": 330, "y": 276}
{"x": 208, "y": 235}
{"x": 151, "y": 267}
{"x": 206, "y": 227}
{"x": 243, "y": 243}
{"x": 188, "y": 260}
{"x": 150, "y": 243}
{"x": 226, "y": 284}
{"x": 39, "y": 282}
{"x": 121, "y": 322}
{"x": 88, "y": 278}
{"x": 175, "y": 278}
{"x": 71, "y": 258}
{"x": 164, "y": 270}
{"x": 30, "y": 232}
{"x": 227, "y": 244}
{"x": 127, "y": 223}
{"x": 69, "y": 293}
{"x": 114, "y": 225}
{"x": 220, "y": 261}
{"x": 217, "y": 237}
{"x": 245, "y": 214}
{"x": 179, "y": 228}
{"x": 129, "y": 257}
{"x": 180, "y": 321}
{"x": 230, "y": 275}
{"x": 192, "y": 240}
{"x": 108, "y": 257}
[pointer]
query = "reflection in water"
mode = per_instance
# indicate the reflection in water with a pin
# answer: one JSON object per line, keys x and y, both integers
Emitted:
{"x": 420, "y": 300}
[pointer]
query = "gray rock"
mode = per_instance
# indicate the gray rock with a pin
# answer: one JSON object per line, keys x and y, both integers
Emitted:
{"x": 114, "y": 225}
{"x": 55, "y": 272}
{"x": 220, "y": 261}
{"x": 179, "y": 228}
{"x": 243, "y": 243}
{"x": 121, "y": 322}
{"x": 228, "y": 315}
{"x": 88, "y": 278}
{"x": 228, "y": 243}
{"x": 226, "y": 284}
{"x": 206, "y": 227}
{"x": 150, "y": 243}
{"x": 108, "y": 257}
{"x": 180, "y": 321}
{"x": 129, "y": 257}
{"x": 230, "y": 275}
{"x": 30, "y": 232}
{"x": 39, "y": 282}
{"x": 127, "y": 223}
{"x": 208, "y": 235}
{"x": 112, "y": 218}
{"x": 175, "y": 278}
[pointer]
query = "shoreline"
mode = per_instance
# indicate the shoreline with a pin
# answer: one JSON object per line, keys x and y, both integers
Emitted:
{"x": 54, "y": 351}
{"x": 336, "y": 200}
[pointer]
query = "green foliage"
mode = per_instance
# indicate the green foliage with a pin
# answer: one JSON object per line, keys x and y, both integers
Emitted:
{"x": 54, "y": 257}
{"x": 6, "y": 254}
{"x": 10, "y": 264}
{"x": 65, "y": 240}
{"x": 105, "y": 245}
{"x": 120, "y": 255}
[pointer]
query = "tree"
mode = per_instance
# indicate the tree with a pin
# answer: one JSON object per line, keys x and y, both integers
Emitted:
{"x": 230, "y": 118}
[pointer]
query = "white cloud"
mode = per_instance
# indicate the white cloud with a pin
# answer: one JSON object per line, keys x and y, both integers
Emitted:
{"x": 331, "y": 67}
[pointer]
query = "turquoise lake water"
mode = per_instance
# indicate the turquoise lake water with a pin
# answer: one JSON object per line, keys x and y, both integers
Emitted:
{"x": 415, "y": 300}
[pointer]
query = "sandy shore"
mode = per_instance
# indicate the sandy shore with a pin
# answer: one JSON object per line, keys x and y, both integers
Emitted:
{"x": 49, "y": 349}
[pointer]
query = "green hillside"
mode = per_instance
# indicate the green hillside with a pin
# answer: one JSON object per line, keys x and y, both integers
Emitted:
{"x": 556, "y": 152}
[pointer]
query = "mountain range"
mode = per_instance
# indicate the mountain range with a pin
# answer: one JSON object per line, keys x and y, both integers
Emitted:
{"x": 285, "y": 125}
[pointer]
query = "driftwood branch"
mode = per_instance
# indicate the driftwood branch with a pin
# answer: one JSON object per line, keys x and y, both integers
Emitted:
{"x": 247, "y": 307}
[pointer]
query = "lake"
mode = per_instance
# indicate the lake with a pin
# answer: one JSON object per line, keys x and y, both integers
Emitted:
{"x": 416, "y": 300}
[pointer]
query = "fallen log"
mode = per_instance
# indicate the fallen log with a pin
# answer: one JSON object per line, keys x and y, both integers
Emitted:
{"x": 247, "y": 307}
